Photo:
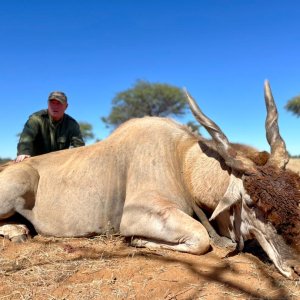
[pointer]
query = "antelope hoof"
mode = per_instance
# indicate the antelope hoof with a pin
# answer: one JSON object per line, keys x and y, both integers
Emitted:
{"x": 223, "y": 242}
{"x": 19, "y": 239}
{"x": 15, "y": 232}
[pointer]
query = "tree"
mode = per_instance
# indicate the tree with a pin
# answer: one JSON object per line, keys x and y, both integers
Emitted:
{"x": 86, "y": 130}
{"x": 293, "y": 106}
{"x": 146, "y": 99}
{"x": 195, "y": 127}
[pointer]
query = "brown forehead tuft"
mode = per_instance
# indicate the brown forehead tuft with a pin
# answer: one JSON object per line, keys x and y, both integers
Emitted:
{"x": 276, "y": 193}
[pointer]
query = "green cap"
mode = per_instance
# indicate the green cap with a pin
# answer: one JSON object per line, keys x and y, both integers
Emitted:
{"x": 59, "y": 96}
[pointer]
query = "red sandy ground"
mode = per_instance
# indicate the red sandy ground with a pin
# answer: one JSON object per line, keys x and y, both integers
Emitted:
{"x": 107, "y": 268}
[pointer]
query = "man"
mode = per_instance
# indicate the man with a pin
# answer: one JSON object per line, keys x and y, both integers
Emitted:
{"x": 49, "y": 130}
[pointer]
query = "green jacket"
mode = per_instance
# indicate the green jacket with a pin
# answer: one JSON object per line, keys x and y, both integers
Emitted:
{"x": 42, "y": 135}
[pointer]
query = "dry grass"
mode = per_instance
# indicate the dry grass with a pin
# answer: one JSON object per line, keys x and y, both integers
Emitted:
{"x": 294, "y": 165}
{"x": 45, "y": 264}
{"x": 107, "y": 268}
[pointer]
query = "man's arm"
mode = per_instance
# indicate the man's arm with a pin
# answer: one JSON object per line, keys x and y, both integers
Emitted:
{"x": 27, "y": 137}
{"x": 76, "y": 138}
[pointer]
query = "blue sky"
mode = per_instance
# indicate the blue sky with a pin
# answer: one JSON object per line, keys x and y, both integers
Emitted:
{"x": 222, "y": 51}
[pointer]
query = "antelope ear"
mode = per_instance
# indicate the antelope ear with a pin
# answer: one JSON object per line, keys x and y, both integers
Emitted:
{"x": 233, "y": 194}
{"x": 224, "y": 204}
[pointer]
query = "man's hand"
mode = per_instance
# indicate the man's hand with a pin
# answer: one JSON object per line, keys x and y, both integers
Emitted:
{"x": 21, "y": 157}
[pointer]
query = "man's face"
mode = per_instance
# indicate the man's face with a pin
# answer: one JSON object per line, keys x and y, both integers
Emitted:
{"x": 56, "y": 109}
